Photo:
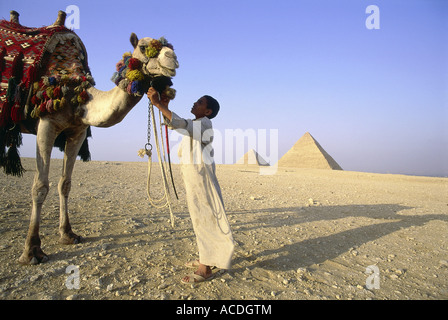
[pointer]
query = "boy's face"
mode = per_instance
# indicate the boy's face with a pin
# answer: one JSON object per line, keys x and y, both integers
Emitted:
{"x": 200, "y": 108}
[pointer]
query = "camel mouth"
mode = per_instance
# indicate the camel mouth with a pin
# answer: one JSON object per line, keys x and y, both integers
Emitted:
{"x": 170, "y": 72}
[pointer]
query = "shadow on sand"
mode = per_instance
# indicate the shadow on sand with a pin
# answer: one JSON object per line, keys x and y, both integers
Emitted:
{"x": 317, "y": 250}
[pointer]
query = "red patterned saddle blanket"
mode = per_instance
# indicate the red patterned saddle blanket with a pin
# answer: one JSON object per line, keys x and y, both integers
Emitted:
{"x": 35, "y": 63}
{"x": 42, "y": 70}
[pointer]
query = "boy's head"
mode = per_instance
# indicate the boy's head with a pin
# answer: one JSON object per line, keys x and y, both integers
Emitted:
{"x": 213, "y": 105}
{"x": 206, "y": 106}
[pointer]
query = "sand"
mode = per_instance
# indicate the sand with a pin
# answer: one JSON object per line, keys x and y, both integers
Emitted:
{"x": 300, "y": 234}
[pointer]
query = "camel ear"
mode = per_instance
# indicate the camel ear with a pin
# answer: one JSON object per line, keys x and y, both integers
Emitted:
{"x": 134, "y": 40}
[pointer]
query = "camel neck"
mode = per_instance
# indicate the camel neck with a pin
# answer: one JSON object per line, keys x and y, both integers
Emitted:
{"x": 107, "y": 108}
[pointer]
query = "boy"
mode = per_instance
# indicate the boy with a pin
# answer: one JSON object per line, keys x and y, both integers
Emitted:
{"x": 204, "y": 199}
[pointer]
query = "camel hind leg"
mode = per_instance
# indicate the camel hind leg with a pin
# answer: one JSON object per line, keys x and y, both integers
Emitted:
{"x": 73, "y": 144}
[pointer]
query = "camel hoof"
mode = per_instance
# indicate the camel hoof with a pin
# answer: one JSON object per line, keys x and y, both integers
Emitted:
{"x": 70, "y": 239}
{"x": 25, "y": 260}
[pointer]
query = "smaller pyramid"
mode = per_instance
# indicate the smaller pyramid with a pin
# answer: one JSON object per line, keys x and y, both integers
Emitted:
{"x": 308, "y": 153}
{"x": 252, "y": 158}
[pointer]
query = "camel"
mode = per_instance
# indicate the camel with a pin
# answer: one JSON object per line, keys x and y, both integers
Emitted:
{"x": 101, "y": 109}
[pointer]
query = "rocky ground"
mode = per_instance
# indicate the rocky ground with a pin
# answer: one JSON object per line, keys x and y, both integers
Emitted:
{"x": 300, "y": 234}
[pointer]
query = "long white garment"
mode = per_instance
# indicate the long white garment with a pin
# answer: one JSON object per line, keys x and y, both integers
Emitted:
{"x": 213, "y": 234}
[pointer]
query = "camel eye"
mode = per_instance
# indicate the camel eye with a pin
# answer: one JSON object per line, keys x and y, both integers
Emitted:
{"x": 143, "y": 49}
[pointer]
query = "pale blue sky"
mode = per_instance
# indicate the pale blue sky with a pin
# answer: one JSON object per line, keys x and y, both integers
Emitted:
{"x": 376, "y": 100}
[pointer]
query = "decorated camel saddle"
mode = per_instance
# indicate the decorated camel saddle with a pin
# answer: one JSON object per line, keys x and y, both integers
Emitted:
{"x": 42, "y": 71}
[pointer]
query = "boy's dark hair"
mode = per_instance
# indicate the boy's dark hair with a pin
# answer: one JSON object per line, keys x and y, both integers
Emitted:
{"x": 213, "y": 105}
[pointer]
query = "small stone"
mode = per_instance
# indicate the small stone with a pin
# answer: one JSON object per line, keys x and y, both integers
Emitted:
{"x": 162, "y": 286}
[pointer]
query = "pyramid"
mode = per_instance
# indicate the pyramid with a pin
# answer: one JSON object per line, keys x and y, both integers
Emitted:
{"x": 252, "y": 158}
{"x": 308, "y": 153}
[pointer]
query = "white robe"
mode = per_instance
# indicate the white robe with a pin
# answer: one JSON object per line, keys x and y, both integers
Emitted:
{"x": 213, "y": 234}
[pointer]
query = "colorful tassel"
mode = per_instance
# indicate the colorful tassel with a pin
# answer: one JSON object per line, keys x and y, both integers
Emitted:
{"x": 5, "y": 113}
{"x": 64, "y": 90}
{"x": 57, "y": 92}
{"x": 34, "y": 100}
{"x": 17, "y": 66}
{"x": 42, "y": 107}
{"x": 129, "y": 88}
{"x": 2, "y": 59}
{"x": 49, "y": 106}
{"x": 35, "y": 113}
{"x": 56, "y": 104}
{"x": 63, "y": 103}
{"x": 83, "y": 97}
{"x": 17, "y": 113}
{"x": 13, "y": 165}
{"x": 11, "y": 92}
{"x": 31, "y": 75}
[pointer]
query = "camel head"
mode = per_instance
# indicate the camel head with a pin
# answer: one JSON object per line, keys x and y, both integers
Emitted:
{"x": 157, "y": 56}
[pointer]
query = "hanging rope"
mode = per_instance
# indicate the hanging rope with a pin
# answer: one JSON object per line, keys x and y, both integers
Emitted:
{"x": 164, "y": 201}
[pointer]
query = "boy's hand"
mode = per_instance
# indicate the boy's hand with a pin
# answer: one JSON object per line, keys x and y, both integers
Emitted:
{"x": 160, "y": 102}
{"x": 153, "y": 95}
{"x": 157, "y": 99}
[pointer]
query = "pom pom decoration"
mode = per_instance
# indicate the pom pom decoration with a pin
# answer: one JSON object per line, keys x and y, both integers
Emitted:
{"x": 83, "y": 97}
{"x": 119, "y": 65}
{"x": 135, "y": 87}
{"x": 134, "y": 64}
{"x": 133, "y": 75}
{"x": 129, "y": 75}
{"x": 156, "y": 44}
{"x": 151, "y": 52}
{"x": 52, "y": 81}
{"x": 170, "y": 93}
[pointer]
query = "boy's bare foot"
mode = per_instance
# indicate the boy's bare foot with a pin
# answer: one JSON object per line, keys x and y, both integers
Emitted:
{"x": 205, "y": 272}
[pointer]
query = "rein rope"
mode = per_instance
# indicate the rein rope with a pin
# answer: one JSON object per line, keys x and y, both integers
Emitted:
{"x": 165, "y": 200}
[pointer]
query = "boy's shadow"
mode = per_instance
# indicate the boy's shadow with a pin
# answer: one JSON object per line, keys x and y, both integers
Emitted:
{"x": 317, "y": 250}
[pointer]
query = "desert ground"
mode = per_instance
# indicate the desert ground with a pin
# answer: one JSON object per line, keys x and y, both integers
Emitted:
{"x": 301, "y": 234}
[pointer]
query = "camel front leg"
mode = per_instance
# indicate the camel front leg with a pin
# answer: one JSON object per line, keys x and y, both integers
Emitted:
{"x": 72, "y": 147}
{"x": 46, "y": 134}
